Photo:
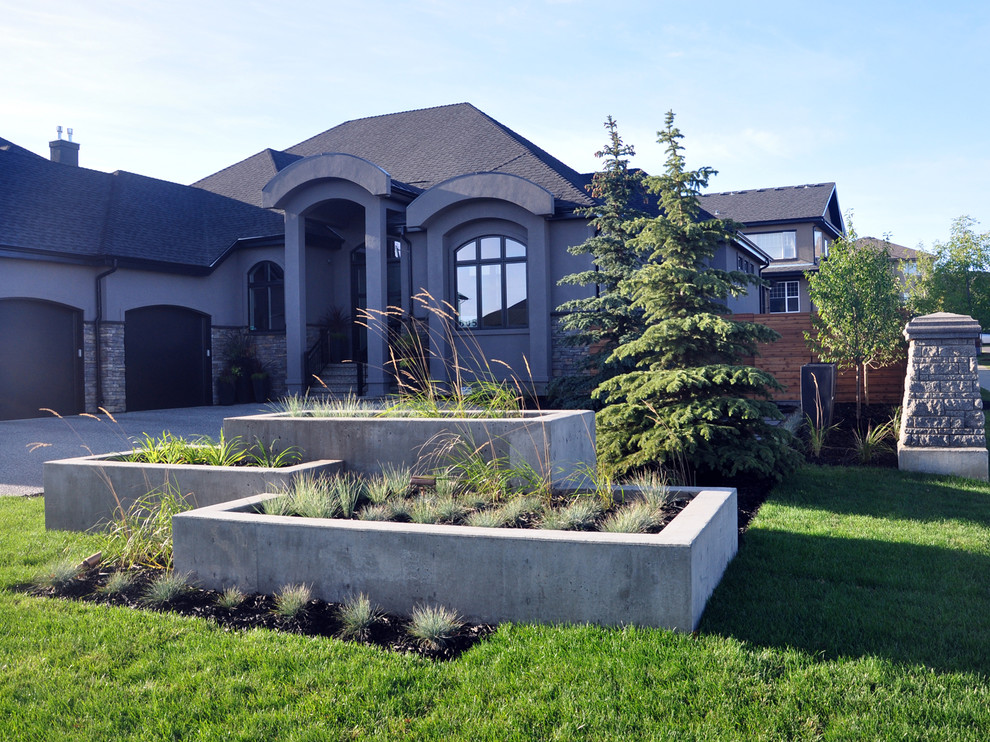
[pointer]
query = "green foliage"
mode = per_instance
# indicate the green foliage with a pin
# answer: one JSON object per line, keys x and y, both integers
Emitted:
{"x": 117, "y": 584}
{"x": 687, "y": 398}
{"x": 579, "y": 515}
{"x": 434, "y": 626}
{"x": 231, "y": 598}
{"x": 291, "y": 601}
{"x": 858, "y": 322}
{"x": 357, "y": 615}
{"x": 637, "y": 517}
{"x": 602, "y": 321}
{"x": 59, "y": 574}
{"x": 165, "y": 589}
{"x": 955, "y": 275}
{"x": 867, "y": 445}
{"x": 142, "y": 535}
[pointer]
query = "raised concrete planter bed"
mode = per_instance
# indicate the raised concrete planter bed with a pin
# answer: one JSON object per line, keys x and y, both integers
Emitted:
{"x": 486, "y": 574}
{"x": 558, "y": 442}
{"x": 79, "y": 492}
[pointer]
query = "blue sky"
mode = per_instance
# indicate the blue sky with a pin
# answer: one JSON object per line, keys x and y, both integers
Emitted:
{"x": 887, "y": 99}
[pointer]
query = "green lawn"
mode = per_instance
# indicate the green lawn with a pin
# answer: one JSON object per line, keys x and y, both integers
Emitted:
{"x": 858, "y": 608}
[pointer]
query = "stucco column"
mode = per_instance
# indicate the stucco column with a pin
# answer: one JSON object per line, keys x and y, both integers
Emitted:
{"x": 436, "y": 285}
{"x": 377, "y": 272}
{"x": 295, "y": 302}
{"x": 538, "y": 270}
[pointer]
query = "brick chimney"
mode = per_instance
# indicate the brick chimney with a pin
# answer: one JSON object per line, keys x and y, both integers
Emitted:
{"x": 65, "y": 151}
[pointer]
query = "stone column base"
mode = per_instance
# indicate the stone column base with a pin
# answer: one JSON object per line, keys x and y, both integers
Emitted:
{"x": 961, "y": 462}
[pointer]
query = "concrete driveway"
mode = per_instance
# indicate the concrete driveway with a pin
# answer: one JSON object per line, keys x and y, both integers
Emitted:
{"x": 26, "y": 444}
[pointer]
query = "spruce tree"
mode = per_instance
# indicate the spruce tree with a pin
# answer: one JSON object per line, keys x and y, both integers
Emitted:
{"x": 605, "y": 319}
{"x": 688, "y": 403}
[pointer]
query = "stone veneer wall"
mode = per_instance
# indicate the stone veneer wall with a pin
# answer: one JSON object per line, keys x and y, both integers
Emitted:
{"x": 565, "y": 359}
{"x": 942, "y": 405}
{"x": 114, "y": 371}
{"x": 269, "y": 349}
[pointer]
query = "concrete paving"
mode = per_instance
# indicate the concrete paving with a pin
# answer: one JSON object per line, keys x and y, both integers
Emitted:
{"x": 26, "y": 444}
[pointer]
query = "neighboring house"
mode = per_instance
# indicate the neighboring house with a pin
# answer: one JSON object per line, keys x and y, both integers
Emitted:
{"x": 121, "y": 291}
{"x": 794, "y": 225}
{"x": 906, "y": 259}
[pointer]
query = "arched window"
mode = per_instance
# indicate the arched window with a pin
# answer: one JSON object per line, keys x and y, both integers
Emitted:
{"x": 266, "y": 298}
{"x": 491, "y": 283}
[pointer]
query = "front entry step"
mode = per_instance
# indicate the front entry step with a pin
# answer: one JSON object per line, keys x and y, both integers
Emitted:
{"x": 336, "y": 380}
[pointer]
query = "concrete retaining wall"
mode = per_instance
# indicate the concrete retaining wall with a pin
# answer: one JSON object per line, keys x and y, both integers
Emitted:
{"x": 560, "y": 443}
{"x": 485, "y": 574}
{"x": 84, "y": 493}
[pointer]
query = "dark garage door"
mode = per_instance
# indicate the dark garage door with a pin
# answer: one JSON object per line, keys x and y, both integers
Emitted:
{"x": 166, "y": 352}
{"x": 41, "y": 362}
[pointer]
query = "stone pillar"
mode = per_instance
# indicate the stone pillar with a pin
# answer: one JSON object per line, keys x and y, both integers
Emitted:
{"x": 942, "y": 415}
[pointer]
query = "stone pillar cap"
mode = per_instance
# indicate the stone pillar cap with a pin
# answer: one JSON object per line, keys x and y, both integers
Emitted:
{"x": 942, "y": 325}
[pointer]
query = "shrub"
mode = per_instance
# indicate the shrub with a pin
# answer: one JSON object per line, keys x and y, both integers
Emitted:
{"x": 59, "y": 575}
{"x": 434, "y": 627}
{"x": 357, "y": 615}
{"x": 231, "y": 598}
{"x": 291, "y": 601}
{"x": 117, "y": 584}
{"x": 165, "y": 589}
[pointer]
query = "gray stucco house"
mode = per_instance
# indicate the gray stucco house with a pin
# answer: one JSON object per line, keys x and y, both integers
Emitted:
{"x": 121, "y": 291}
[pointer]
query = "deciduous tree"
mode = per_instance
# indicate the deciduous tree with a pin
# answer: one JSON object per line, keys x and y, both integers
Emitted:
{"x": 858, "y": 319}
{"x": 955, "y": 275}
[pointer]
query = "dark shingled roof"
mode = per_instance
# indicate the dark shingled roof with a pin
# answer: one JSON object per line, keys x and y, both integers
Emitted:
{"x": 898, "y": 252}
{"x": 777, "y": 205}
{"x": 90, "y": 215}
{"x": 418, "y": 149}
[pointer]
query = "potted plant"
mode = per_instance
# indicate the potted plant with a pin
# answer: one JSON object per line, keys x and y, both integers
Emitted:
{"x": 261, "y": 384}
{"x": 226, "y": 389}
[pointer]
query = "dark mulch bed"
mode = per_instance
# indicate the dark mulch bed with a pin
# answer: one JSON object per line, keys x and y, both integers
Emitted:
{"x": 840, "y": 446}
{"x": 258, "y": 612}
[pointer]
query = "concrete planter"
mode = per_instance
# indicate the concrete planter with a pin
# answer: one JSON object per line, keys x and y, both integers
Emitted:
{"x": 556, "y": 442}
{"x": 80, "y": 493}
{"x": 486, "y": 574}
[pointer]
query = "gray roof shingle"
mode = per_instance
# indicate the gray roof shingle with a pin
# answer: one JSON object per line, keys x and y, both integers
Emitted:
{"x": 418, "y": 149}
{"x": 72, "y": 211}
{"x": 775, "y": 205}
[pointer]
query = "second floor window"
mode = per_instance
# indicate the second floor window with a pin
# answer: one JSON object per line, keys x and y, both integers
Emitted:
{"x": 490, "y": 281}
{"x": 778, "y": 245}
{"x": 266, "y": 298}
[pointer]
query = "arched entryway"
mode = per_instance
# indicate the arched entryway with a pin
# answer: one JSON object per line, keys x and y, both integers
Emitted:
{"x": 41, "y": 358}
{"x": 167, "y": 358}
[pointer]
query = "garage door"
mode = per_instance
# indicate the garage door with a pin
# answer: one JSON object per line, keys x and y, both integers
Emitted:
{"x": 166, "y": 354}
{"x": 41, "y": 362}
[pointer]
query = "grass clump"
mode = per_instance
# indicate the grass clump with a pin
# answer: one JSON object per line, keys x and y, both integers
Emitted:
{"x": 291, "y": 601}
{"x": 117, "y": 584}
{"x": 165, "y": 589}
{"x": 58, "y": 575}
{"x": 142, "y": 535}
{"x": 357, "y": 615}
{"x": 231, "y": 598}
{"x": 434, "y": 626}
{"x": 636, "y": 517}
{"x": 580, "y": 515}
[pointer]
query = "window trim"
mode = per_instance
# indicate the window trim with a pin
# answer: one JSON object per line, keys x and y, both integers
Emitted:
{"x": 478, "y": 262}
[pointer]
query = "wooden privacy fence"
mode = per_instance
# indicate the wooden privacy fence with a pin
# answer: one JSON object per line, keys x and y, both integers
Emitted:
{"x": 785, "y": 357}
